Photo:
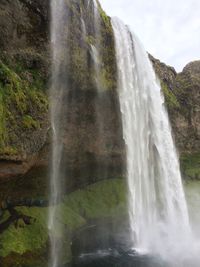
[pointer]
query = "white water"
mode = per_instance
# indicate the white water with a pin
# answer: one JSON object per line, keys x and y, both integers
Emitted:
{"x": 157, "y": 206}
{"x": 95, "y": 48}
{"x": 56, "y": 94}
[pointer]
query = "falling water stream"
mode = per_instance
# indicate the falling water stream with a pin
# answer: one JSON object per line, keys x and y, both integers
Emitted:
{"x": 58, "y": 85}
{"x": 95, "y": 48}
{"x": 58, "y": 111}
{"x": 158, "y": 213}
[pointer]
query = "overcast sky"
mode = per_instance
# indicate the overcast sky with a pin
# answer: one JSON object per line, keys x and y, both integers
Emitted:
{"x": 169, "y": 29}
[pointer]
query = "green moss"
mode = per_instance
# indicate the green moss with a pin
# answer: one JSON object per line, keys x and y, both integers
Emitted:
{"x": 109, "y": 67}
{"x": 29, "y": 65}
{"x": 5, "y": 216}
{"x": 104, "y": 17}
{"x": 170, "y": 98}
{"x": 8, "y": 150}
{"x": 100, "y": 200}
{"x": 90, "y": 40}
{"x": 190, "y": 164}
{"x": 21, "y": 107}
{"x": 26, "y": 238}
{"x": 2, "y": 121}
{"x": 30, "y": 123}
{"x": 81, "y": 72}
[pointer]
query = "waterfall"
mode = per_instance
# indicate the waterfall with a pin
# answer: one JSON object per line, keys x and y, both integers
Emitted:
{"x": 158, "y": 212}
{"x": 157, "y": 207}
{"x": 58, "y": 85}
{"x": 62, "y": 95}
{"x": 95, "y": 48}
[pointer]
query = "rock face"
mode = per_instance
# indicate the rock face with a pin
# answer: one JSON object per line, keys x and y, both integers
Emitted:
{"x": 187, "y": 90}
{"x": 24, "y": 65}
{"x": 92, "y": 133}
{"x": 23, "y": 75}
{"x": 182, "y": 94}
{"x": 23, "y": 25}
{"x": 90, "y": 115}
{"x": 88, "y": 154}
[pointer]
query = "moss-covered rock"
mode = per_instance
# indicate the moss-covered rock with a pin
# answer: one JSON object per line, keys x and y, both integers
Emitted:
{"x": 170, "y": 99}
{"x": 23, "y": 109}
{"x": 90, "y": 113}
{"x": 190, "y": 165}
{"x": 106, "y": 199}
{"x": 24, "y": 59}
{"x": 182, "y": 95}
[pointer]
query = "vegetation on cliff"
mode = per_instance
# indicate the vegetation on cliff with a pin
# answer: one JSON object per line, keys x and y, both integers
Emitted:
{"x": 23, "y": 107}
{"x": 23, "y": 74}
{"x": 81, "y": 68}
{"x": 182, "y": 96}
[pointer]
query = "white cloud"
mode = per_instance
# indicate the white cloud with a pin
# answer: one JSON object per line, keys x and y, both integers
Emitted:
{"x": 169, "y": 30}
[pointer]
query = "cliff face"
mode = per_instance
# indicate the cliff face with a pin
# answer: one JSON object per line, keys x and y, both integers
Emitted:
{"x": 24, "y": 24}
{"x": 182, "y": 94}
{"x": 92, "y": 133}
{"x": 187, "y": 91}
{"x": 25, "y": 69}
{"x": 23, "y": 75}
{"x": 92, "y": 151}
{"x": 24, "y": 72}
{"x": 91, "y": 121}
